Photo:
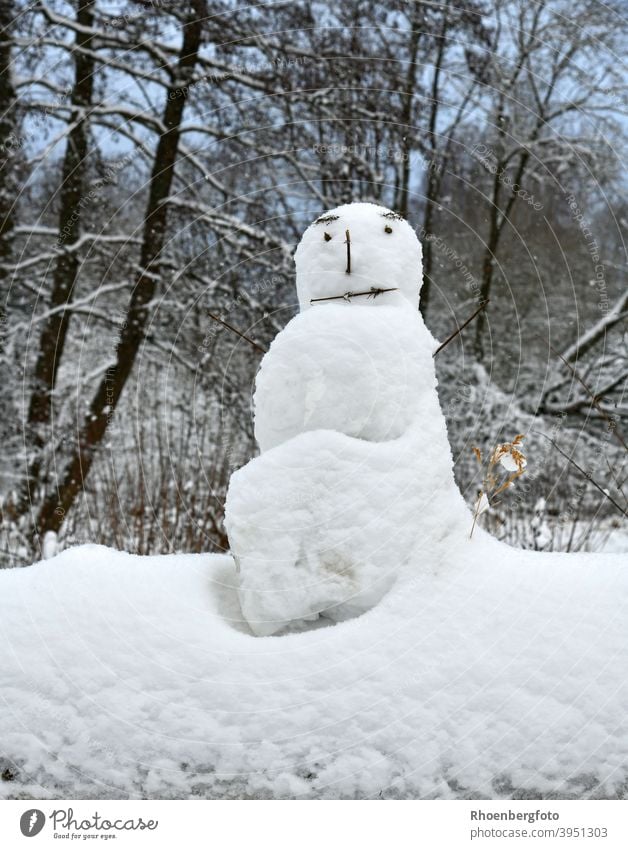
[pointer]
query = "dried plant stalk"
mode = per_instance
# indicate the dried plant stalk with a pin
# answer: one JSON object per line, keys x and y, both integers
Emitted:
{"x": 506, "y": 456}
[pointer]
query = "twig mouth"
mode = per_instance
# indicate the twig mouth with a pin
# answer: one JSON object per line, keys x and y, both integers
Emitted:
{"x": 373, "y": 292}
{"x": 348, "y": 244}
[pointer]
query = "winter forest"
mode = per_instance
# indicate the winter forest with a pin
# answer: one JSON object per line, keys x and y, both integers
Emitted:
{"x": 158, "y": 163}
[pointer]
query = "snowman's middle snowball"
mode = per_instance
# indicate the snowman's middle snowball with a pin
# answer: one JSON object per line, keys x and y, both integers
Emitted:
{"x": 348, "y": 368}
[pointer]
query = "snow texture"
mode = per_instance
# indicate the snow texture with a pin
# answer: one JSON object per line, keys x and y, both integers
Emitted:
{"x": 485, "y": 671}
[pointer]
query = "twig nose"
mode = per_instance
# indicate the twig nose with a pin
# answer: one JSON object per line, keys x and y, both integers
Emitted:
{"x": 348, "y": 244}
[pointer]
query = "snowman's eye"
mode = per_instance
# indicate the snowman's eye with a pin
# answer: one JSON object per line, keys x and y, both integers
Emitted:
{"x": 327, "y": 237}
{"x": 387, "y": 229}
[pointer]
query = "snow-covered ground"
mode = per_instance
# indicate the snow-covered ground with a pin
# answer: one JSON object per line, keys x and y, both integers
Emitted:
{"x": 487, "y": 672}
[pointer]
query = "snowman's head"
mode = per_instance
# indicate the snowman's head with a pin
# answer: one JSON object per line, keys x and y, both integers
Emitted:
{"x": 354, "y": 248}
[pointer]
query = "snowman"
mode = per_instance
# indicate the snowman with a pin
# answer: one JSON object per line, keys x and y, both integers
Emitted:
{"x": 355, "y": 467}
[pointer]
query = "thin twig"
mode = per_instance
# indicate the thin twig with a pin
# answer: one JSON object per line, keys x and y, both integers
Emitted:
{"x": 476, "y": 512}
{"x": 237, "y": 332}
{"x": 612, "y": 425}
{"x": 617, "y": 482}
{"x": 461, "y": 328}
{"x": 348, "y": 243}
{"x": 582, "y": 472}
{"x": 372, "y": 293}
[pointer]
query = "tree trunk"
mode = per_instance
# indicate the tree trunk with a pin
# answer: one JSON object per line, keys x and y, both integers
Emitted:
{"x": 55, "y": 327}
{"x": 433, "y": 179}
{"x": 106, "y": 398}
{"x": 431, "y": 195}
{"x": 496, "y": 227}
{"x": 10, "y": 145}
{"x": 417, "y": 24}
{"x": 488, "y": 261}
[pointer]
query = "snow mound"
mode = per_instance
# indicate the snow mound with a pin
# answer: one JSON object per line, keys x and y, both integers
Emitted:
{"x": 136, "y": 676}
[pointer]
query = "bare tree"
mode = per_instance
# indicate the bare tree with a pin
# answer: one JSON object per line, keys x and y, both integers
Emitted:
{"x": 455, "y": 100}
{"x": 105, "y": 400}
{"x": 73, "y": 183}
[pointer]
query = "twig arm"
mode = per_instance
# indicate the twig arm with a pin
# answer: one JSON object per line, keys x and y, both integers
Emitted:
{"x": 450, "y": 338}
{"x": 237, "y": 332}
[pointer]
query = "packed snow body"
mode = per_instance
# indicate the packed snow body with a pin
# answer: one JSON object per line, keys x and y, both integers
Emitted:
{"x": 331, "y": 521}
{"x": 485, "y": 672}
{"x": 355, "y": 454}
